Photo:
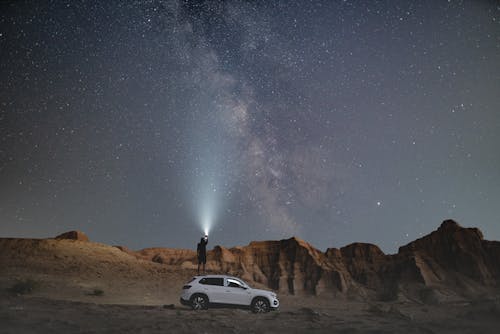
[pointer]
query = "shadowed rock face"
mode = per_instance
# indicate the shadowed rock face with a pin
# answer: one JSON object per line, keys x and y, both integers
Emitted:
{"x": 454, "y": 252}
{"x": 73, "y": 235}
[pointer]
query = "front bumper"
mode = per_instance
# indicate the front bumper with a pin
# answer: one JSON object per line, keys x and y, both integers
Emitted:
{"x": 275, "y": 303}
{"x": 184, "y": 302}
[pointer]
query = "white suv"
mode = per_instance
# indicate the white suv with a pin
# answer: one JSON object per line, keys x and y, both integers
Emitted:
{"x": 203, "y": 291}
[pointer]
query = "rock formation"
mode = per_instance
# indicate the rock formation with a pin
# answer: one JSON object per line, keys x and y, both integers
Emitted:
{"x": 453, "y": 255}
{"x": 451, "y": 262}
{"x": 73, "y": 235}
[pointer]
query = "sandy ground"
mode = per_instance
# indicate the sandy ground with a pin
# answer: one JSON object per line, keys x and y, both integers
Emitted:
{"x": 28, "y": 314}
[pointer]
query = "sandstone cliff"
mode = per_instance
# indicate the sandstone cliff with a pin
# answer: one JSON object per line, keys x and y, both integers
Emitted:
{"x": 449, "y": 263}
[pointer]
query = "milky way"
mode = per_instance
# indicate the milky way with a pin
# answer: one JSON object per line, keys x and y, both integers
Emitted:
{"x": 334, "y": 121}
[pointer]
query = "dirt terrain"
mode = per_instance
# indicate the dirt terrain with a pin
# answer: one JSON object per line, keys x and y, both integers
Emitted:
{"x": 20, "y": 314}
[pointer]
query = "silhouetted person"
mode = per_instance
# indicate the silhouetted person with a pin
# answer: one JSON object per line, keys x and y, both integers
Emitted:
{"x": 202, "y": 252}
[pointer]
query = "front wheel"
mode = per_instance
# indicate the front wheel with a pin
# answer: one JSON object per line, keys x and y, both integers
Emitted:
{"x": 199, "y": 302}
{"x": 260, "y": 305}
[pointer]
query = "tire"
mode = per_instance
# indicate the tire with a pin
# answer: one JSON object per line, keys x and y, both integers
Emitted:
{"x": 260, "y": 305}
{"x": 199, "y": 302}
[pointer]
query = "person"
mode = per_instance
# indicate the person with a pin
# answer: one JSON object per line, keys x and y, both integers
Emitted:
{"x": 202, "y": 252}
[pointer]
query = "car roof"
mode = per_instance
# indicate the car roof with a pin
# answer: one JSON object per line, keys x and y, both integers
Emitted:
{"x": 217, "y": 276}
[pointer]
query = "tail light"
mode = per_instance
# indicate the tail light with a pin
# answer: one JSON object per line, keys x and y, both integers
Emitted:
{"x": 185, "y": 287}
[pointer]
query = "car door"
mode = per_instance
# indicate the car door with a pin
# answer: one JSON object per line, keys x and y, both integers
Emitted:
{"x": 236, "y": 292}
{"x": 214, "y": 288}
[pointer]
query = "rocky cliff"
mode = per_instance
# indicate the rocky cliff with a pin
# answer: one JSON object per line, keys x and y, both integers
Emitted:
{"x": 451, "y": 261}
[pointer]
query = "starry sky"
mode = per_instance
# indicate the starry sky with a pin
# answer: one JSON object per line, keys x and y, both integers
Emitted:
{"x": 138, "y": 122}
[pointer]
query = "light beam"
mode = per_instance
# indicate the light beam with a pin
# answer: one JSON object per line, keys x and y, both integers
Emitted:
{"x": 207, "y": 199}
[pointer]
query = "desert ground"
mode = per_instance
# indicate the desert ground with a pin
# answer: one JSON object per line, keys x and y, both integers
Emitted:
{"x": 141, "y": 309}
{"x": 21, "y": 314}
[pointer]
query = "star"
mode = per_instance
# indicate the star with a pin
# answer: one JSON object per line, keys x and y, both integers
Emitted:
{"x": 265, "y": 120}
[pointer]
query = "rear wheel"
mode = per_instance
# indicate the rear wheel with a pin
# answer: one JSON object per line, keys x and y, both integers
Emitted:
{"x": 199, "y": 302}
{"x": 260, "y": 305}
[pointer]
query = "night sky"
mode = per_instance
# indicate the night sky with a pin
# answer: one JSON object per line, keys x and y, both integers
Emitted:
{"x": 138, "y": 122}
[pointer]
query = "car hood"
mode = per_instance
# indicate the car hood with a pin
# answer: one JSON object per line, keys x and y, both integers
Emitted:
{"x": 262, "y": 292}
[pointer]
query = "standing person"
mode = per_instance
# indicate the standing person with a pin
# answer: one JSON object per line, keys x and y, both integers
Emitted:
{"x": 202, "y": 252}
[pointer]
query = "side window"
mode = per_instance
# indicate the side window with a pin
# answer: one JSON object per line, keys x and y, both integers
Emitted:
{"x": 212, "y": 281}
{"x": 234, "y": 284}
